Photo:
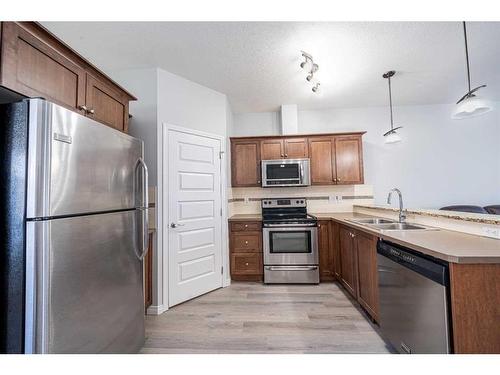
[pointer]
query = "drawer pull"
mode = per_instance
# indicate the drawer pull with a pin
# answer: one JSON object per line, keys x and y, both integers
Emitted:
{"x": 246, "y": 264}
{"x": 246, "y": 225}
{"x": 246, "y": 242}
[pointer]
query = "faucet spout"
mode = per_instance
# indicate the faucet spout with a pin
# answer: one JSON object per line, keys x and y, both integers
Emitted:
{"x": 402, "y": 216}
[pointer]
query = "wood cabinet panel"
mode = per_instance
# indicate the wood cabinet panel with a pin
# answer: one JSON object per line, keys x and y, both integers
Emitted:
{"x": 246, "y": 264}
{"x": 475, "y": 307}
{"x": 296, "y": 148}
{"x": 250, "y": 226}
{"x": 272, "y": 149}
{"x": 246, "y": 242}
{"x": 335, "y": 244}
{"x": 325, "y": 251}
{"x": 34, "y": 69}
{"x": 148, "y": 274}
{"x": 321, "y": 153}
{"x": 106, "y": 105}
{"x": 348, "y": 266}
{"x": 348, "y": 160}
{"x": 366, "y": 246}
{"x": 245, "y": 163}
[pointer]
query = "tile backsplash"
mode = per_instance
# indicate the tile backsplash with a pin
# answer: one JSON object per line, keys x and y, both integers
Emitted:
{"x": 320, "y": 199}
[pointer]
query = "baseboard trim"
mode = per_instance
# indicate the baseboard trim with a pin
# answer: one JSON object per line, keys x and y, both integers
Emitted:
{"x": 156, "y": 310}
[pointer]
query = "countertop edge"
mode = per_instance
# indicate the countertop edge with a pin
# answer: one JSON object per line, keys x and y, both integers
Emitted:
{"x": 424, "y": 250}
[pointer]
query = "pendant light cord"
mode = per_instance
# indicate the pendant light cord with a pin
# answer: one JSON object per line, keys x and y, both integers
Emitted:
{"x": 467, "y": 55}
{"x": 390, "y": 100}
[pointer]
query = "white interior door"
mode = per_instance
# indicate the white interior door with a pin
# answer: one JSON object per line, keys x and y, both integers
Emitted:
{"x": 194, "y": 215}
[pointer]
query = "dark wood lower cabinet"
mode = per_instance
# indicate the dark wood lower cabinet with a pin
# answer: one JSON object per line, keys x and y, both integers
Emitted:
{"x": 366, "y": 247}
{"x": 355, "y": 266}
{"x": 475, "y": 307}
{"x": 348, "y": 266}
{"x": 325, "y": 250}
{"x": 245, "y": 251}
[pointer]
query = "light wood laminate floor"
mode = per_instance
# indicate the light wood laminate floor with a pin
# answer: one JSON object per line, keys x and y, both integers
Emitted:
{"x": 256, "y": 318}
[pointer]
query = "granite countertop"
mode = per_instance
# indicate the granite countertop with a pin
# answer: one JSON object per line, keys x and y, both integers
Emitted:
{"x": 444, "y": 244}
{"x": 246, "y": 217}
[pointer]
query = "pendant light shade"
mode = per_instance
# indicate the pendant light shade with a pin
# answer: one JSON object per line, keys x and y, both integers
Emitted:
{"x": 391, "y": 136}
{"x": 470, "y": 105}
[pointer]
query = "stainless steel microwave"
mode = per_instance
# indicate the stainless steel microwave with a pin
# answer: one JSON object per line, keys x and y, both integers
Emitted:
{"x": 286, "y": 172}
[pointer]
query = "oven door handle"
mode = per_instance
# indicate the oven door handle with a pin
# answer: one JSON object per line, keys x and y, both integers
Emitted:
{"x": 291, "y": 268}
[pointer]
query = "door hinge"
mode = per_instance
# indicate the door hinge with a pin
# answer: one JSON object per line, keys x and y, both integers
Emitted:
{"x": 221, "y": 153}
{"x": 220, "y": 212}
{"x": 222, "y": 270}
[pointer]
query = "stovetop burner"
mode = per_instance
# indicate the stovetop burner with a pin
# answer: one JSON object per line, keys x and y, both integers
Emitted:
{"x": 286, "y": 211}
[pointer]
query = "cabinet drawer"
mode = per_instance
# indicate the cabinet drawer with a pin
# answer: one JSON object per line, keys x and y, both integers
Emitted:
{"x": 250, "y": 226}
{"x": 246, "y": 264}
{"x": 246, "y": 242}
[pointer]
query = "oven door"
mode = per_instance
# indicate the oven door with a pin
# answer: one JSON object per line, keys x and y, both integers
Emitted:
{"x": 290, "y": 245}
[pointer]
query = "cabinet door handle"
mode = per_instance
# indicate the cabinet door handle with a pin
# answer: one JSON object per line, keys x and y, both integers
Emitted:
{"x": 246, "y": 242}
{"x": 286, "y": 155}
{"x": 90, "y": 111}
{"x": 83, "y": 108}
{"x": 246, "y": 225}
{"x": 282, "y": 155}
{"x": 246, "y": 264}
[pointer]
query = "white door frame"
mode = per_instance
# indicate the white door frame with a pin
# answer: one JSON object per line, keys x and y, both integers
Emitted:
{"x": 162, "y": 265}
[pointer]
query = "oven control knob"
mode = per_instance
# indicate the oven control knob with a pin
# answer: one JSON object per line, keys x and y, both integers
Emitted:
{"x": 297, "y": 201}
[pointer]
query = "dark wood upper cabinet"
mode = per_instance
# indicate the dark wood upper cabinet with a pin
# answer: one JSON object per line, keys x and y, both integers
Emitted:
{"x": 296, "y": 148}
{"x": 34, "y": 63}
{"x": 325, "y": 251}
{"x": 271, "y": 149}
{"x": 106, "y": 104}
{"x": 335, "y": 158}
{"x": 366, "y": 246}
{"x": 322, "y": 155}
{"x": 348, "y": 261}
{"x": 245, "y": 163}
{"x": 349, "y": 160}
{"x": 35, "y": 69}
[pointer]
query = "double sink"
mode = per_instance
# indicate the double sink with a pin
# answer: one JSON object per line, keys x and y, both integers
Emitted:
{"x": 389, "y": 225}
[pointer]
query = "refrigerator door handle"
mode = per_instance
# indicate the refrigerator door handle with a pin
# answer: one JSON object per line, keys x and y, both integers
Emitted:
{"x": 144, "y": 210}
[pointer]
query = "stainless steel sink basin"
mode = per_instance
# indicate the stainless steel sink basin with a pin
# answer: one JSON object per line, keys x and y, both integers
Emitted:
{"x": 374, "y": 220}
{"x": 400, "y": 226}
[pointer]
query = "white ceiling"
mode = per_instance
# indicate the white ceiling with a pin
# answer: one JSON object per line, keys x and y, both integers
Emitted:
{"x": 256, "y": 64}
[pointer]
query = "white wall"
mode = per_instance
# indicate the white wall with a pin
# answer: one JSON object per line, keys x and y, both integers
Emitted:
{"x": 261, "y": 123}
{"x": 143, "y": 83}
{"x": 184, "y": 103}
{"x": 440, "y": 161}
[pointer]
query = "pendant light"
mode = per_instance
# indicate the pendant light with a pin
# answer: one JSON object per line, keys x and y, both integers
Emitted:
{"x": 470, "y": 105}
{"x": 391, "y": 136}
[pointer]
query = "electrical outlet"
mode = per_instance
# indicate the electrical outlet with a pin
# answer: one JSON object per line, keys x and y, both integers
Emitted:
{"x": 246, "y": 200}
{"x": 332, "y": 199}
{"x": 491, "y": 232}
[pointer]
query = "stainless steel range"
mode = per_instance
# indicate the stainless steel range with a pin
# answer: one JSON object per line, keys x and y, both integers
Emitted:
{"x": 290, "y": 237}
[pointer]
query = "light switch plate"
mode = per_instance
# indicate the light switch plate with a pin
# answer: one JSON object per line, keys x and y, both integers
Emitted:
{"x": 246, "y": 199}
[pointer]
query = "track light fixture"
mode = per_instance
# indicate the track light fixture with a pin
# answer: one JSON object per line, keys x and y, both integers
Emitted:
{"x": 308, "y": 62}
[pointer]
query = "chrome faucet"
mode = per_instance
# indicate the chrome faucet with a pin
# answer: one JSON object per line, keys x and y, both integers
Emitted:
{"x": 402, "y": 216}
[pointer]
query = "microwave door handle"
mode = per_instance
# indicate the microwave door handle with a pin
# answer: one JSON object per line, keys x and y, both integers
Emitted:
{"x": 301, "y": 169}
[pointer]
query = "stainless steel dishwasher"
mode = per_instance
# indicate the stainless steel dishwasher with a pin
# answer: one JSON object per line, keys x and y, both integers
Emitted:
{"x": 413, "y": 292}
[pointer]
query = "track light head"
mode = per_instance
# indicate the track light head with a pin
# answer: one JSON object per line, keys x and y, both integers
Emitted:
{"x": 309, "y": 77}
{"x": 316, "y": 88}
{"x": 303, "y": 64}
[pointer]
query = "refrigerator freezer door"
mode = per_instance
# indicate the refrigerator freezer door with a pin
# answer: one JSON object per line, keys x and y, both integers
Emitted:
{"x": 87, "y": 281}
{"x": 76, "y": 165}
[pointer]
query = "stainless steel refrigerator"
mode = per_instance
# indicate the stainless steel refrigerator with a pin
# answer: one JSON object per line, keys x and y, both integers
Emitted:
{"x": 74, "y": 229}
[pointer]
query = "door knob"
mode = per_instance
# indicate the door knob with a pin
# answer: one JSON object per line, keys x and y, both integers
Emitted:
{"x": 175, "y": 225}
